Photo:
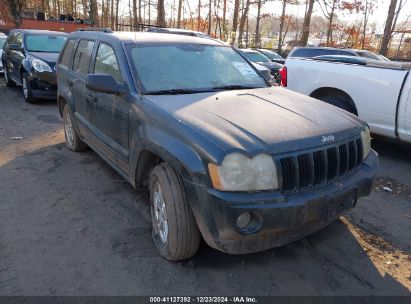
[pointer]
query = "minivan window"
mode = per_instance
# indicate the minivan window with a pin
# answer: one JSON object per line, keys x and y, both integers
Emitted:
{"x": 106, "y": 62}
{"x": 67, "y": 56}
{"x": 302, "y": 53}
{"x": 83, "y": 56}
{"x": 44, "y": 43}
{"x": 192, "y": 67}
{"x": 2, "y": 42}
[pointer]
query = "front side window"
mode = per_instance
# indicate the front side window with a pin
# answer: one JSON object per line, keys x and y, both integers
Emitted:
{"x": 44, "y": 43}
{"x": 68, "y": 52}
{"x": 272, "y": 55}
{"x": 106, "y": 62}
{"x": 83, "y": 55}
{"x": 194, "y": 67}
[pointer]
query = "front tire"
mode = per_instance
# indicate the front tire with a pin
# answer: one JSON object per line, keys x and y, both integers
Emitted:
{"x": 73, "y": 141}
{"x": 26, "y": 89}
{"x": 175, "y": 232}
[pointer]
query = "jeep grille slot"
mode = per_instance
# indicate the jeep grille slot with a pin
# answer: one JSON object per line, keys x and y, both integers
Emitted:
{"x": 289, "y": 176}
{"x": 319, "y": 167}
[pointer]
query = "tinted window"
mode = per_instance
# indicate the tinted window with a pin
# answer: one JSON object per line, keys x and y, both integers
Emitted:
{"x": 345, "y": 53}
{"x": 321, "y": 52}
{"x": 302, "y": 53}
{"x": 2, "y": 41}
{"x": 192, "y": 67}
{"x": 106, "y": 62}
{"x": 45, "y": 43}
{"x": 67, "y": 57}
{"x": 82, "y": 57}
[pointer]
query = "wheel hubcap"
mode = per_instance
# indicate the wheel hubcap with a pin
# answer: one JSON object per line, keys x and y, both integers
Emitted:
{"x": 68, "y": 129}
{"x": 160, "y": 223}
{"x": 25, "y": 90}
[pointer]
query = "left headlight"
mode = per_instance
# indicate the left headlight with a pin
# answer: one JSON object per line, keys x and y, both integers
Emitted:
{"x": 366, "y": 142}
{"x": 241, "y": 173}
{"x": 40, "y": 65}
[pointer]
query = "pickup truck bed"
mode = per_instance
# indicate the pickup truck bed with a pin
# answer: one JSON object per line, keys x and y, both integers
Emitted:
{"x": 378, "y": 92}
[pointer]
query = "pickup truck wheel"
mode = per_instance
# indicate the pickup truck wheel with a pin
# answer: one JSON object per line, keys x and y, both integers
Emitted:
{"x": 26, "y": 89}
{"x": 338, "y": 100}
{"x": 7, "y": 80}
{"x": 175, "y": 232}
{"x": 73, "y": 141}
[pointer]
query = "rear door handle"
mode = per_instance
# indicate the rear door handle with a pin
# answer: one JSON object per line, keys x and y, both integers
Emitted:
{"x": 91, "y": 98}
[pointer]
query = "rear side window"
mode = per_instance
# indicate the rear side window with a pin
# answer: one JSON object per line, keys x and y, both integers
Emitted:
{"x": 302, "y": 53}
{"x": 106, "y": 62}
{"x": 67, "y": 57}
{"x": 82, "y": 58}
{"x": 322, "y": 52}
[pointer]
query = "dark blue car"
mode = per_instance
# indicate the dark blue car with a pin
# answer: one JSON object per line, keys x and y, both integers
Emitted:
{"x": 29, "y": 60}
{"x": 225, "y": 156}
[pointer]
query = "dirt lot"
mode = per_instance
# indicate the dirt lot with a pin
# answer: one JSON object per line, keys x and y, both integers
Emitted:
{"x": 69, "y": 225}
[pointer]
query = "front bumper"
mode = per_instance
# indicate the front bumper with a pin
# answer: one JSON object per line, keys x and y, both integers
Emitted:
{"x": 43, "y": 85}
{"x": 277, "y": 218}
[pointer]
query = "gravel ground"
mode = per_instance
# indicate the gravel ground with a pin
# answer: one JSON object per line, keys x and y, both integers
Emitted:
{"x": 70, "y": 225}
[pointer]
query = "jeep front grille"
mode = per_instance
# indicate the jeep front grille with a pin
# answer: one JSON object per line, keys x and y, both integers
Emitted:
{"x": 316, "y": 168}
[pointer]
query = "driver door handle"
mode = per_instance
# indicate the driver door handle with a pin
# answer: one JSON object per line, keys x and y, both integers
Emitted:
{"x": 91, "y": 98}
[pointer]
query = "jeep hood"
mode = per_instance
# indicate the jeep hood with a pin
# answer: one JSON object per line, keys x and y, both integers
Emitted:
{"x": 272, "y": 120}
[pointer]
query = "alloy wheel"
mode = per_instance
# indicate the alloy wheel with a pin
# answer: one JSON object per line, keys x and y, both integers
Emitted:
{"x": 160, "y": 223}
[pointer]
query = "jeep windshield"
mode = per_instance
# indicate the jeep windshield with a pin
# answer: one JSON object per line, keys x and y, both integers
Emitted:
{"x": 191, "y": 68}
{"x": 45, "y": 43}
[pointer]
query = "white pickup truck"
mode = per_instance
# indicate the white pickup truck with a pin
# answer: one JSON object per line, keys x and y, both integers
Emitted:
{"x": 378, "y": 92}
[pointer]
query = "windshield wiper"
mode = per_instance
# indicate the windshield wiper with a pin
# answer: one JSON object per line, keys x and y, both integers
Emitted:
{"x": 233, "y": 87}
{"x": 173, "y": 92}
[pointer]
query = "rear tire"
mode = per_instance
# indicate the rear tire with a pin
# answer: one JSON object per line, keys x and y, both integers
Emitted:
{"x": 175, "y": 232}
{"x": 10, "y": 83}
{"x": 26, "y": 88}
{"x": 73, "y": 141}
{"x": 339, "y": 100}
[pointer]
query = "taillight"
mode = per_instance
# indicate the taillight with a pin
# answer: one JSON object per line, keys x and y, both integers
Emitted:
{"x": 283, "y": 74}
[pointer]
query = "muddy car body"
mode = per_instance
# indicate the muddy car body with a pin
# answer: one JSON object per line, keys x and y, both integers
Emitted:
{"x": 247, "y": 167}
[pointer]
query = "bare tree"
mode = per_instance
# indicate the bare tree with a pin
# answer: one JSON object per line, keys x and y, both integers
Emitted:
{"x": 180, "y": 6}
{"x": 161, "y": 14}
{"x": 209, "y": 17}
{"x": 307, "y": 23}
{"x": 235, "y": 19}
{"x": 242, "y": 22}
{"x": 329, "y": 9}
{"x": 388, "y": 28}
{"x": 257, "y": 25}
{"x": 15, "y": 7}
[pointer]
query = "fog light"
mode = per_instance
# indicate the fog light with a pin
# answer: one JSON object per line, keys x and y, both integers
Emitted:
{"x": 243, "y": 220}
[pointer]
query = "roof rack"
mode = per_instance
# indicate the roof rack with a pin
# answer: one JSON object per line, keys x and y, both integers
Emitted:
{"x": 95, "y": 29}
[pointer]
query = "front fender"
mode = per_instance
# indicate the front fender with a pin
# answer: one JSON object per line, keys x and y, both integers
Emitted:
{"x": 178, "y": 153}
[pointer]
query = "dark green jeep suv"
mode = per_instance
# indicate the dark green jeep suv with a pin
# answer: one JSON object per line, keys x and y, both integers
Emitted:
{"x": 226, "y": 157}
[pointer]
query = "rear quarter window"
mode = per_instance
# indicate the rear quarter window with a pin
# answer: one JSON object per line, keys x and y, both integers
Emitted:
{"x": 82, "y": 58}
{"x": 302, "y": 53}
{"x": 68, "y": 52}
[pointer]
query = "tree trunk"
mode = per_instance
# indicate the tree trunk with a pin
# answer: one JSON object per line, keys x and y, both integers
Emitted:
{"x": 93, "y": 12}
{"x": 117, "y": 4}
{"x": 180, "y": 6}
{"x": 209, "y": 17}
{"x": 330, "y": 25}
{"x": 242, "y": 23}
{"x": 139, "y": 11}
{"x": 112, "y": 14}
{"x": 224, "y": 21}
{"x": 135, "y": 20}
{"x": 388, "y": 28}
{"x": 235, "y": 20}
{"x": 280, "y": 38}
{"x": 15, "y": 8}
{"x": 307, "y": 22}
{"x": 161, "y": 14}
{"x": 257, "y": 25}
{"x": 199, "y": 15}
{"x": 364, "y": 30}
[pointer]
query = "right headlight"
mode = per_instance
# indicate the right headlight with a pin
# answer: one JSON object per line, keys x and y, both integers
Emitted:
{"x": 40, "y": 65}
{"x": 241, "y": 173}
{"x": 366, "y": 142}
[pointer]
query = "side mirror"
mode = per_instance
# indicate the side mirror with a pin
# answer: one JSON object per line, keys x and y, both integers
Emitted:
{"x": 15, "y": 47}
{"x": 104, "y": 83}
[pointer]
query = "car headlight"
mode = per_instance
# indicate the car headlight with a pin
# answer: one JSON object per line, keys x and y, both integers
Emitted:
{"x": 240, "y": 173}
{"x": 366, "y": 142}
{"x": 40, "y": 65}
